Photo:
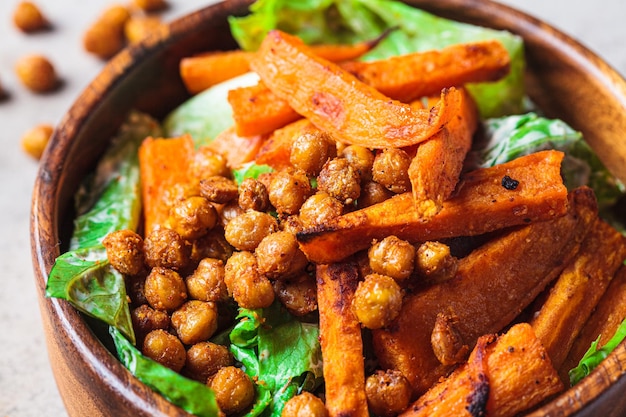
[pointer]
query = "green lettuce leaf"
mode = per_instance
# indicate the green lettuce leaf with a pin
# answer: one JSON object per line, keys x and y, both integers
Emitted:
{"x": 250, "y": 170}
{"x": 190, "y": 395}
{"x": 335, "y": 21}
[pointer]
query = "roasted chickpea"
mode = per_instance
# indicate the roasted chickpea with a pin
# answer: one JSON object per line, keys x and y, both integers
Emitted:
{"x": 311, "y": 150}
{"x": 105, "y": 36}
{"x": 288, "y": 191}
{"x": 165, "y": 289}
{"x": 150, "y": 5}
{"x": 208, "y": 163}
{"x": 193, "y": 218}
{"x": 360, "y": 158}
{"x": 298, "y": 294}
{"x": 319, "y": 209}
{"x": 125, "y": 251}
{"x": 218, "y": 189}
{"x": 165, "y": 348}
{"x": 179, "y": 191}
{"x": 446, "y": 340}
{"x": 234, "y": 390}
{"x": 388, "y": 393}
{"x": 207, "y": 281}
{"x": 211, "y": 245}
{"x": 279, "y": 256}
{"x": 377, "y": 301}
{"x": 247, "y": 286}
{"x": 195, "y": 321}
{"x": 35, "y": 140}
{"x": 205, "y": 359}
{"x": 146, "y": 319}
{"x": 37, "y": 73}
{"x": 229, "y": 211}
{"x": 166, "y": 248}
{"x": 391, "y": 170}
{"x": 372, "y": 193}
{"x": 253, "y": 195}
{"x": 139, "y": 27}
{"x": 392, "y": 257}
{"x": 28, "y": 17}
{"x": 304, "y": 405}
{"x": 340, "y": 179}
{"x": 434, "y": 262}
{"x": 246, "y": 231}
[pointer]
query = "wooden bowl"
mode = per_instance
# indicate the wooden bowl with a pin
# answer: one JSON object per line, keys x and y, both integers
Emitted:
{"x": 564, "y": 78}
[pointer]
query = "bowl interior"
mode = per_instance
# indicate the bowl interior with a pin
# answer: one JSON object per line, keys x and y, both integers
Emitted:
{"x": 563, "y": 78}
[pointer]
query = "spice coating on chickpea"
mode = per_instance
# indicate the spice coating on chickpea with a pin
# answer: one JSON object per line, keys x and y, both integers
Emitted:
{"x": 208, "y": 163}
{"x": 377, "y": 301}
{"x": 206, "y": 283}
{"x": 218, "y": 189}
{"x": 247, "y": 286}
{"x": 434, "y": 262}
{"x": 146, "y": 319}
{"x": 37, "y": 73}
{"x": 165, "y": 348}
{"x": 311, "y": 150}
{"x": 446, "y": 340}
{"x": 165, "y": 289}
{"x": 391, "y": 170}
{"x": 360, "y": 158}
{"x": 193, "y": 217}
{"x": 27, "y": 17}
{"x": 205, "y": 359}
{"x": 279, "y": 255}
{"x": 253, "y": 195}
{"x": 165, "y": 248}
{"x": 211, "y": 245}
{"x": 304, "y": 405}
{"x": 246, "y": 231}
{"x": 234, "y": 390}
{"x": 35, "y": 141}
{"x": 388, "y": 393}
{"x": 298, "y": 294}
{"x": 340, "y": 179}
{"x": 319, "y": 209}
{"x": 372, "y": 193}
{"x": 125, "y": 251}
{"x": 288, "y": 191}
{"x": 195, "y": 321}
{"x": 392, "y": 257}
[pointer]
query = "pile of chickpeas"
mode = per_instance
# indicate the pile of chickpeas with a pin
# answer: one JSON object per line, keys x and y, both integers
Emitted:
{"x": 227, "y": 245}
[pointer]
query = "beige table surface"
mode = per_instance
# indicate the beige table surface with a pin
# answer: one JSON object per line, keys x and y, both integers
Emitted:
{"x": 27, "y": 386}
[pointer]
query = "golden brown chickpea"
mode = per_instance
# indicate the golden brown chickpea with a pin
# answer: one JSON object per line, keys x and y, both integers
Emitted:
{"x": 208, "y": 163}
{"x": 218, "y": 189}
{"x": 446, "y": 340}
{"x": 195, "y": 321}
{"x": 246, "y": 231}
{"x": 247, "y": 286}
{"x": 279, "y": 256}
{"x": 361, "y": 158}
{"x": 392, "y": 257}
{"x": 434, "y": 262}
{"x": 28, "y": 17}
{"x": 377, "y": 301}
{"x": 192, "y": 218}
{"x": 164, "y": 247}
{"x": 34, "y": 141}
{"x": 391, "y": 170}
{"x": 138, "y": 28}
{"x": 319, "y": 209}
{"x": 298, "y": 294}
{"x": 37, "y": 73}
{"x": 165, "y": 289}
{"x": 229, "y": 211}
{"x": 372, "y": 193}
{"x": 178, "y": 192}
{"x": 211, "y": 245}
{"x": 125, "y": 251}
{"x": 388, "y": 393}
{"x": 340, "y": 179}
{"x": 288, "y": 191}
{"x": 105, "y": 36}
{"x": 146, "y": 319}
{"x": 205, "y": 359}
{"x": 234, "y": 390}
{"x": 207, "y": 281}
{"x": 311, "y": 150}
{"x": 253, "y": 195}
{"x": 165, "y": 348}
{"x": 304, "y": 405}
{"x": 150, "y": 5}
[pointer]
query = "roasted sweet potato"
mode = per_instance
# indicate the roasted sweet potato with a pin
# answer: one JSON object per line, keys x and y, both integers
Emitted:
{"x": 276, "y": 150}
{"x": 341, "y": 341}
{"x": 492, "y": 286}
{"x": 578, "y": 289}
{"x": 482, "y": 204}
{"x": 336, "y": 102}
{"x": 503, "y": 376}
{"x": 237, "y": 149}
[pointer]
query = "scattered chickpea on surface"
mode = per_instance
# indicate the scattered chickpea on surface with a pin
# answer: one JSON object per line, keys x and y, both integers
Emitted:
{"x": 35, "y": 140}
{"x": 138, "y": 28}
{"x": 105, "y": 36}
{"x": 37, "y": 73}
{"x": 150, "y": 5}
{"x": 28, "y": 17}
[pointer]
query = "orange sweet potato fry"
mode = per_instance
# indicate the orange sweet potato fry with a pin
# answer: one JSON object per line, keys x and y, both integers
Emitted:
{"x": 482, "y": 204}
{"x": 276, "y": 150}
{"x": 338, "y": 103}
{"x": 493, "y": 285}
{"x": 341, "y": 341}
{"x": 578, "y": 289}
{"x": 203, "y": 71}
{"x": 435, "y": 168}
{"x": 504, "y": 376}
{"x": 162, "y": 163}
{"x": 237, "y": 149}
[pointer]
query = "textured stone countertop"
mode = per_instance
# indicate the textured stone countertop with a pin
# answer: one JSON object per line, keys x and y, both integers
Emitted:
{"x": 27, "y": 387}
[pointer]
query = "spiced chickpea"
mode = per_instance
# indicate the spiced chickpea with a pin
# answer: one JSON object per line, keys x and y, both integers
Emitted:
{"x": 27, "y": 17}
{"x": 340, "y": 179}
{"x": 434, "y": 262}
{"x": 279, "y": 256}
{"x": 388, "y": 393}
{"x": 229, "y": 211}
{"x": 165, "y": 289}
{"x": 234, "y": 390}
{"x": 391, "y": 170}
{"x": 139, "y": 27}
{"x": 206, "y": 283}
{"x": 179, "y": 191}
{"x": 247, "y": 286}
{"x": 105, "y": 36}
{"x": 211, "y": 245}
{"x": 246, "y": 231}
{"x": 195, "y": 321}
{"x": 166, "y": 248}
{"x": 319, "y": 209}
{"x": 289, "y": 190}
{"x": 377, "y": 301}
{"x": 311, "y": 150}
{"x": 372, "y": 193}
{"x": 37, "y": 73}
{"x": 146, "y": 319}
{"x": 361, "y": 158}
{"x": 253, "y": 195}
{"x": 193, "y": 217}
{"x": 150, "y": 5}
{"x": 125, "y": 251}
{"x": 298, "y": 294}
{"x": 165, "y": 348}
{"x": 35, "y": 140}
{"x": 393, "y": 257}
{"x": 304, "y": 405}
{"x": 205, "y": 359}
{"x": 208, "y": 163}
{"x": 446, "y": 340}
{"x": 218, "y": 189}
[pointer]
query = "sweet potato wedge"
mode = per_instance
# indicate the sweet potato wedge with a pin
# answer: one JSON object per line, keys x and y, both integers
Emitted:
{"x": 237, "y": 149}
{"x": 336, "y": 102}
{"x": 481, "y": 205}
{"x": 437, "y": 164}
{"x": 162, "y": 163}
{"x": 492, "y": 286}
{"x": 578, "y": 289}
{"x": 276, "y": 150}
{"x": 504, "y": 376}
{"x": 341, "y": 341}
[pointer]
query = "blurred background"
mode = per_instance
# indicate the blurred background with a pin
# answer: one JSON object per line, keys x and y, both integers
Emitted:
{"x": 27, "y": 386}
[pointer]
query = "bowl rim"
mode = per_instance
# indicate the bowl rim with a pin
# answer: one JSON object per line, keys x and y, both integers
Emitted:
{"x": 44, "y": 217}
